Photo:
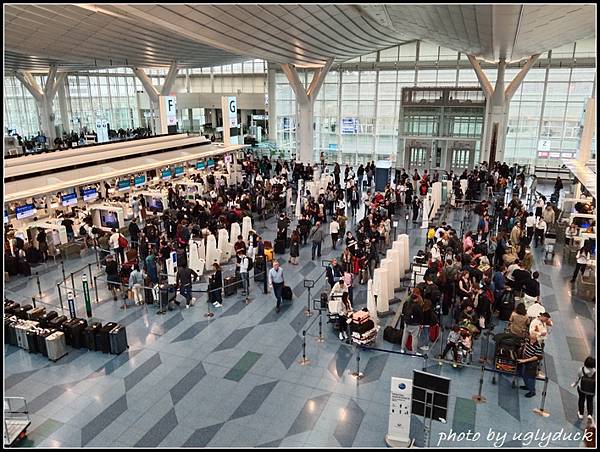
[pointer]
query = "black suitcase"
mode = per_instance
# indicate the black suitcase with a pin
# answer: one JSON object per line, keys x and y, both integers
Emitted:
{"x": 229, "y": 286}
{"x": 118, "y": 340}
{"x": 286, "y": 293}
{"x": 41, "y": 336}
{"x": 23, "y": 311}
{"x": 74, "y": 332}
{"x": 393, "y": 335}
{"x": 102, "y": 338}
{"x": 32, "y": 343}
{"x": 259, "y": 268}
{"x": 57, "y": 322}
{"x": 36, "y": 314}
{"x": 10, "y": 335}
{"x": 148, "y": 296}
{"x": 506, "y": 306}
{"x": 47, "y": 317}
{"x": 11, "y": 265}
{"x": 10, "y": 307}
{"x": 24, "y": 268}
{"x": 279, "y": 246}
{"x": 89, "y": 335}
{"x": 362, "y": 328}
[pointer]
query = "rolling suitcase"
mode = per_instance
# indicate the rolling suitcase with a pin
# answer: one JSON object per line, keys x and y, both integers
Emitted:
{"x": 286, "y": 293}
{"x": 47, "y": 317}
{"x": 36, "y": 314}
{"x": 102, "y": 339}
{"x": 118, "y": 340}
{"x": 22, "y": 312}
{"x": 21, "y": 329}
{"x": 32, "y": 345}
{"x": 148, "y": 295}
{"x": 89, "y": 335}
{"x": 57, "y": 322}
{"x": 56, "y": 345}
{"x": 10, "y": 307}
{"x": 10, "y": 335}
{"x": 24, "y": 268}
{"x": 41, "y": 336}
{"x": 229, "y": 286}
{"x": 73, "y": 330}
{"x": 131, "y": 255}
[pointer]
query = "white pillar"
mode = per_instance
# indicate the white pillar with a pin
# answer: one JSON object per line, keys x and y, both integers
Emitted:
{"x": 371, "y": 304}
{"x": 584, "y": 153}
{"x": 399, "y": 247}
{"x": 426, "y": 207}
{"x": 272, "y": 107}
{"x": 213, "y": 255}
{"x": 380, "y": 290}
{"x": 235, "y": 231}
{"x": 389, "y": 267}
{"x": 246, "y": 227}
{"x": 62, "y": 105}
{"x": 197, "y": 256}
{"x": 394, "y": 256}
{"x": 223, "y": 244}
{"x": 406, "y": 255}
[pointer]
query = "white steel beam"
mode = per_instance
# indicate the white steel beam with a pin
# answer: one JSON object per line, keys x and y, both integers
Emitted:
{"x": 147, "y": 83}
{"x": 511, "y": 89}
{"x": 292, "y": 75}
{"x": 483, "y": 80}
{"x": 169, "y": 79}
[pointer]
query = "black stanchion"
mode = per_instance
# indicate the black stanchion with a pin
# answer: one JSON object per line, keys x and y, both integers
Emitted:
{"x": 358, "y": 374}
{"x": 541, "y": 411}
{"x": 96, "y": 289}
{"x": 62, "y": 268}
{"x": 483, "y": 358}
{"x": 96, "y": 252}
{"x": 479, "y": 398}
{"x": 90, "y": 279}
{"x": 208, "y": 314}
{"x": 39, "y": 286}
{"x": 304, "y": 361}
{"x": 33, "y": 302}
{"x": 62, "y": 308}
{"x": 320, "y": 337}
{"x": 73, "y": 283}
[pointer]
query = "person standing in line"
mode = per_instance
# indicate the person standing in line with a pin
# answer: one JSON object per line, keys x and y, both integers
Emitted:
{"x": 586, "y": 387}
{"x": 112, "y": 275}
{"x": 540, "y": 231}
{"x": 134, "y": 233}
{"x": 416, "y": 204}
{"x": 276, "y": 281}
{"x": 583, "y": 257}
{"x": 215, "y": 285}
{"x": 184, "y": 283}
{"x": 294, "y": 247}
{"x": 316, "y": 236}
{"x": 136, "y": 284}
{"x": 244, "y": 275}
{"x": 115, "y": 245}
{"x": 528, "y": 364}
{"x": 334, "y": 229}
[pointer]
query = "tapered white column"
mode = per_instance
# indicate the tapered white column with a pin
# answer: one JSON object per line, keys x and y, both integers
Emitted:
{"x": 394, "y": 256}
{"x": 213, "y": 255}
{"x": 389, "y": 267}
{"x": 246, "y": 227}
{"x": 584, "y": 153}
{"x": 406, "y": 254}
{"x": 371, "y": 304}
{"x": 380, "y": 289}
{"x": 272, "y": 107}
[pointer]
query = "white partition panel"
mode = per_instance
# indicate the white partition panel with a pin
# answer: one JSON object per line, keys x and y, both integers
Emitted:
{"x": 380, "y": 289}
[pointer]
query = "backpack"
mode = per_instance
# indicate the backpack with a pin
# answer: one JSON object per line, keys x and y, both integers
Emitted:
{"x": 82, "y": 230}
{"x": 250, "y": 263}
{"x": 587, "y": 383}
{"x": 123, "y": 242}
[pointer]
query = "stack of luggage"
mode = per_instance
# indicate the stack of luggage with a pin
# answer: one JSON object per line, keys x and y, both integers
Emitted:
{"x": 47, "y": 333}
{"x": 363, "y": 328}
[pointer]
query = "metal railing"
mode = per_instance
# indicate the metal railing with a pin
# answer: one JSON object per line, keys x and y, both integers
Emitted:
{"x": 16, "y": 419}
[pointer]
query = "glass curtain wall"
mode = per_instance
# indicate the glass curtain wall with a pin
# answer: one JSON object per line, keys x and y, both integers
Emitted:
{"x": 357, "y": 110}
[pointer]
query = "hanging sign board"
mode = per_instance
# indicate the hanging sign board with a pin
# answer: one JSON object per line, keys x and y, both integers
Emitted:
{"x": 170, "y": 103}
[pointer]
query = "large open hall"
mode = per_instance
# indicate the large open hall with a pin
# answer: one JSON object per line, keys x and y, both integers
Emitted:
{"x": 312, "y": 225}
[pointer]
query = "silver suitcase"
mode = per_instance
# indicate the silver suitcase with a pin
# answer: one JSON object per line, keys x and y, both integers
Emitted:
{"x": 56, "y": 345}
{"x": 21, "y": 329}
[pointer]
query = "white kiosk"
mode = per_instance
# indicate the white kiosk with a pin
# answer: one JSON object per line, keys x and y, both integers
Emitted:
{"x": 213, "y": 254}
{"x": 380, "y": 290}
{"x": 246, "y": 227}
{"x": 172, "y": 268}
{"x": 224, "y": 245}
{"x": 155, "y": 200}
{"x": 197, "y": 257}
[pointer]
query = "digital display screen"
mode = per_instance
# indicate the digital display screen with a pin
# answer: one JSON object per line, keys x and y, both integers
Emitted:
{"x": 166, "y": 174}
{"x": 210, "y": 163}
{"x": 139, "y": 181}
{"x": 349, "y": 125}
{"x": 69, "y": 200}
{"x": 200, "y": 165}
{"x": 178, "y": 171}
{"x": 124, "y": 185}
{"x": 90, "y": 194}
{"x": 109, "y": 219}
{"x": 25, "y": 211}
{"x": 155, "y": 205}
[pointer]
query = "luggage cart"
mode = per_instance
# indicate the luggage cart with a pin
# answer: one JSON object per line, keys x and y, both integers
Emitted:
{"x": 505, "y": 361}
{"x": 16, "y": 420}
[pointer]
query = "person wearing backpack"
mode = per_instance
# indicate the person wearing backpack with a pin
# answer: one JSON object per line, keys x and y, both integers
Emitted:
{"x": 586, "y": 386}
{"x": 412, "y": 315}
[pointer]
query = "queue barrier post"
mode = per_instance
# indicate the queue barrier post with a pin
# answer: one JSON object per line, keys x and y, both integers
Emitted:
{"x": 90, "y": 279}
{"x": 304, "y": 361}
{"x": 73, "y": 283}
{"x": 33, "y": 302}
{"x": 62, "y": 268}
{"x": 39, "y": 286}
{"x": 96, "y": 288}
{"x": 320, "y": 337}
{"x": 358, "y": 374}
{"x": 541, "y": 411}
{"x": 62, "y": 308}
{"x": 479, "y": 398}
{"x": 209, "y": 314}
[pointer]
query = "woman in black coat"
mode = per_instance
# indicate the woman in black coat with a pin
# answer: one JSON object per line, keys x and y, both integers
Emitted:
{"x": 294, "y": 247}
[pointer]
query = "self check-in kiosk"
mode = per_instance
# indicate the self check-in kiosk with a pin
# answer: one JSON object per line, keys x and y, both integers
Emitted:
{"x": 155, "y": 200}
{"x": 106, "y": 217}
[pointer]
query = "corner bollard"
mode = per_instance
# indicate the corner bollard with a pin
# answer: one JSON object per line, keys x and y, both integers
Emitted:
{"x": 86, "y": 296}
{"x": 71, "y": 303}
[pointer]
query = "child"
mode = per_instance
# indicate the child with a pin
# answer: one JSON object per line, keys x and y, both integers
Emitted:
{"x": 453, "y": 338}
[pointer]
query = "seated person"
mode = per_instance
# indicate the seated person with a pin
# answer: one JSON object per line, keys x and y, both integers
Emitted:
{"x": 466, "y": 341}
{"x": 452, "y": 344}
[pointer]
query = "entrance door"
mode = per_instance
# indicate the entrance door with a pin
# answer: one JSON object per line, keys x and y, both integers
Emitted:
{"x": 459, "y": 159}
{"x": 417, "y": 157}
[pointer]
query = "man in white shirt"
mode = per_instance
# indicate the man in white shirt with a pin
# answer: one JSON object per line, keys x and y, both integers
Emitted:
{"x": 540, "y": 231}
{"x": 535, "y": 310}
{"x": 334, "y": 229}
{"x": 366, "y": 200}
{"x": 114, "y": 245}
{"x": 530, "y": 226}
{"x": 244, "y": 263}
{"x": 511, "y": 268}
{"x": 540, "y": 326}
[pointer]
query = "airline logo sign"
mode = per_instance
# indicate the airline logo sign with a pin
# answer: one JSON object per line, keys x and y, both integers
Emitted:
{"x": 171, "y": 109}
{"x": 232, "y": 109}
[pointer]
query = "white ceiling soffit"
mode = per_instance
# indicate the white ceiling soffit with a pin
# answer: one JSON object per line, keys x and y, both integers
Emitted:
{"x": 196, "y": 35}
{"x": 86, "y": 37}
{"x": 491, "y": 32}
